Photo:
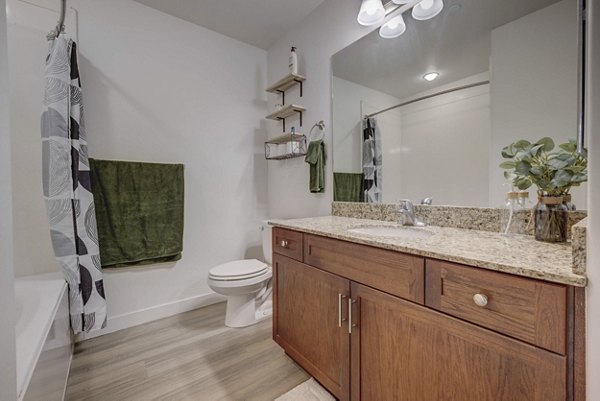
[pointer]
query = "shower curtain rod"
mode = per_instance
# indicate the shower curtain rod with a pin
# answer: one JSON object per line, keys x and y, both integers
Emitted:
{"x": 60, "y": 26}
{"x": 427, "y": 97}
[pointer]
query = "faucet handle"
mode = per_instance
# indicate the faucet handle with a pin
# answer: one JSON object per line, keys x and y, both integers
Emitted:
{"x": 406, "y": 204}
{"x": 427, "y": 201}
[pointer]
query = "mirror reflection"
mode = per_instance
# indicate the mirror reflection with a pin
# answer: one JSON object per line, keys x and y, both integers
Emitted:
{"x": 426, "y": 115}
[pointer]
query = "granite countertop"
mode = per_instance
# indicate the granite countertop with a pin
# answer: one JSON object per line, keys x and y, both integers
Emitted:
{"x": 519, "y": 254}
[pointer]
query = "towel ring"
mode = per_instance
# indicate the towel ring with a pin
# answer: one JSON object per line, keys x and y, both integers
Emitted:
{"x": 321, "y": 126}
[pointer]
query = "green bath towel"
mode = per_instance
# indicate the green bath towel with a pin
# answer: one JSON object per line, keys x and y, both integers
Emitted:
{"x": 315, "y": 156}
{"x": 139, "y": 209}
{"x": 348, "y": 187}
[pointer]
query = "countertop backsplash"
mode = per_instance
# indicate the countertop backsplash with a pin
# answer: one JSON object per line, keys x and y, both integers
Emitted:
{"x": 470, "y": 218}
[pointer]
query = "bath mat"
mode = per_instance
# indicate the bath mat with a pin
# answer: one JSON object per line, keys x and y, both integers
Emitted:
{"x": 310, "y": 390}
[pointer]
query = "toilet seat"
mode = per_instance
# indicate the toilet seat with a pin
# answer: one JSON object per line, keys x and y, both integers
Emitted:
{"x": 238, "y": 270}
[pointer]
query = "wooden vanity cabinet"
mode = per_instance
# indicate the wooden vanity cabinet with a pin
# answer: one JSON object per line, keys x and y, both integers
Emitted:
{"x": 416, "y": 336}
{"x": 309, "y": 321}
{"x": 406, "y": 352}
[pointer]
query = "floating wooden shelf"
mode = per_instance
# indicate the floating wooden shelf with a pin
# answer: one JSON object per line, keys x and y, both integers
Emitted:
{"x": 285, "y": 112}
{"x": 286, "y": 82}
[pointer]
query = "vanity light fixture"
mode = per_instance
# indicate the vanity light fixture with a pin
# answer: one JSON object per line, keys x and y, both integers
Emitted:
{"x": 431, "y": 76}
{"x": 393, "y": 28}
{"x": 371, "y": 12}
{"x": 427, "y": 9}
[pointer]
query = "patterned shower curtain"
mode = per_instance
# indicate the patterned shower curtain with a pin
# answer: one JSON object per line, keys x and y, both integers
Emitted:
{"x": 67, "y": 187}
{"x": 372, "y": 162}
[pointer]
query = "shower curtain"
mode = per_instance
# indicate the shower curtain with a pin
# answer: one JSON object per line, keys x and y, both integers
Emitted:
{"x": 372, "y": 162}
{"x": 67, "y": 187}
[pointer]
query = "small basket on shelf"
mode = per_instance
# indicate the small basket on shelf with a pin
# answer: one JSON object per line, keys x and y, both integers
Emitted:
{"x": 286, "y": 146}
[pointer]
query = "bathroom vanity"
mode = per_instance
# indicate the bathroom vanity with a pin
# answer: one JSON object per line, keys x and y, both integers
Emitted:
{"x": 448, "y": 316}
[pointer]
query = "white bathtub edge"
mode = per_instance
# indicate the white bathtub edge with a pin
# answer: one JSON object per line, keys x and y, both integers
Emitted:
{"x": 22, "y": 389}
{"x": 127, "y": 320}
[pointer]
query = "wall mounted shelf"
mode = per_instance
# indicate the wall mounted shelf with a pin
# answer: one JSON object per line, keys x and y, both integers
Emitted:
{"x": 286, "y": 146}
{"x": 286, "y": 83}
{"x": 285, "y": 112}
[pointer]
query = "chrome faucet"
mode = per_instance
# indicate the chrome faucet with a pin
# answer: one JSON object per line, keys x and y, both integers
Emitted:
{"x": 427, "y": 201}
{"x": 406, "y": 214}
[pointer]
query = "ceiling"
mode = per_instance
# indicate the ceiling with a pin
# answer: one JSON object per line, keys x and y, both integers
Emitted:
{"x": 259, "y": 23}
{"x": 456, "y": 44}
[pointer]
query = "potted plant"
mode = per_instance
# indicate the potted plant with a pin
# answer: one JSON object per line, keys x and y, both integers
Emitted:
{"x": 554, "y": 172}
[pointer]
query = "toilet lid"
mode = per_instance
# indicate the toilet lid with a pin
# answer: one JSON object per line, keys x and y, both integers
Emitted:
{"x": 238, "y": 270}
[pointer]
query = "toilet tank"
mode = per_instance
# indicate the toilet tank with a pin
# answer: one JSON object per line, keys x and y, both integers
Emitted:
{"x": 267, "y": 243}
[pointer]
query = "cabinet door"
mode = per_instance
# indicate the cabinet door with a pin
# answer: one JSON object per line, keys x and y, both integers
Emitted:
{"x": 405, "y": 352}
{"x": 310, "y": 321}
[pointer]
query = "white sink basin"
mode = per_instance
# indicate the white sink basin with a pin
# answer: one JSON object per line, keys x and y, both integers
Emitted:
{"x": 393, "y": 232}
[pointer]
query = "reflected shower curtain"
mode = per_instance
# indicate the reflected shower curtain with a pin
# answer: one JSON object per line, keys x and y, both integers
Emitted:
{"x": 372, "y": 161}
{"x": 67, "y": 187}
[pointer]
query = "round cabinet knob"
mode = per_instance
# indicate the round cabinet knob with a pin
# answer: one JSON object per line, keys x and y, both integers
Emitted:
{"x": 480, "y": 300}
{"x": 283, "y": 243}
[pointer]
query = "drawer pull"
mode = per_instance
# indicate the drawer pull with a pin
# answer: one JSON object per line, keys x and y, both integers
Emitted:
{"x": 283, "y": 243}
{"x": 480, "y": 300}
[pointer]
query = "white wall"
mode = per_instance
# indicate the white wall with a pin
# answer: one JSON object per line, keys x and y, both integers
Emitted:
{"x": 453, "y": 131}
{"x": 328, "y": 29}
{"x": 8, "y": 378}
{"x": 159, "y": 89}
{"x": 593, "y": 268}
{"x": 534, "y": 59}
{"x": 352, "y": 101}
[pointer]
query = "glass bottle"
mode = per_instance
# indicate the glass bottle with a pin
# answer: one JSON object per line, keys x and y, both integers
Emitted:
{"x": 551, "y": 219}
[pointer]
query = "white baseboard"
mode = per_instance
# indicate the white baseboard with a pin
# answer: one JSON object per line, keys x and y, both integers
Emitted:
{"x": 120, "y": 322}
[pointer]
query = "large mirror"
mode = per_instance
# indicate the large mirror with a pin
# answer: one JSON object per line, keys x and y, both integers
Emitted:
{"x": 507, "y": 70}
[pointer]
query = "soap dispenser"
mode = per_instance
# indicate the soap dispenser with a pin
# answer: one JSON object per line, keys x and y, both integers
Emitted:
{"x": 293, "y": 63}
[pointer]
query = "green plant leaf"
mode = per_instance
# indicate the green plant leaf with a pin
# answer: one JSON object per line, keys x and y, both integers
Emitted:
{"x": 523, "y": 167}
{"x": 557, "y": 164}
{"x": 547, "y": 142}
{"x": 562, "y": 178}
{"x": 508, "y": 152}
{"x": 570, "y": 146}
{"x": 536, "y": 150}
{"x": 537, "y": 170}
{"x": 521, "y": 145}
{"x": 508, "y": 164}
{"x": 523, "y": 183}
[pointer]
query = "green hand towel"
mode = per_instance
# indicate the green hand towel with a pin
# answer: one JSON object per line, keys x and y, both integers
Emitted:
{"x": 348, "y": 187}
{"x": 139, "y": 211}
{"x": 315, "y": 156}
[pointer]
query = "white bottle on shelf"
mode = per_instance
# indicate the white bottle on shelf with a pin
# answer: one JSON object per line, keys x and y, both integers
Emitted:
{"x": 293, "y": 64}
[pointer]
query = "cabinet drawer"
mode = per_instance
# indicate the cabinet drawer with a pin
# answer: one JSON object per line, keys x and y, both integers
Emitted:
{"x": 527, "y": 309}
{"x": 392, "y": 272}
{"x": 287, "y": 243}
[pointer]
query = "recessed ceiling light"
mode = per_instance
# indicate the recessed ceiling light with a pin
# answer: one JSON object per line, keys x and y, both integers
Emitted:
{"x": 431, "y": 76}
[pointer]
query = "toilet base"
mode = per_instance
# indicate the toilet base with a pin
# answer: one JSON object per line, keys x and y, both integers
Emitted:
{"x": 242, "y": 311}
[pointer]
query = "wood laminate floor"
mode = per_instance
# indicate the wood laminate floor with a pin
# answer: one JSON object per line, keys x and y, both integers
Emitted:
{"x": 191, "y": 356}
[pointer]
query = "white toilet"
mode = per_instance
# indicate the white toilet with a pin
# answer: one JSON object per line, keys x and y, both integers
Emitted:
{"x": 247, "y": 285}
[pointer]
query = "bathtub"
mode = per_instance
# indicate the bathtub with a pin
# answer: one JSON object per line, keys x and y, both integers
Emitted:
{"x": 44, "y": 338}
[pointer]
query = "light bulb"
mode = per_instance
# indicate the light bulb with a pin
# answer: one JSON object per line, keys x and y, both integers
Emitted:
{"x": 371, "y": 12}
{"x": 427, "y": 9}
{"x": 426, "y": 4}
{"x": 393, "y": 28}
{"x": 431, "y": 76}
